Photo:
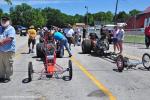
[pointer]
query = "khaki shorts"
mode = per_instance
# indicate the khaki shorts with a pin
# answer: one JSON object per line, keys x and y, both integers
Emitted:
{"x": 6, "y": 64}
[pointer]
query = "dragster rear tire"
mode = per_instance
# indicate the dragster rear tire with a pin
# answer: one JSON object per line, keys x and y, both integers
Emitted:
{"x": 86, "y": 46}
{"x": 39, "y": 51}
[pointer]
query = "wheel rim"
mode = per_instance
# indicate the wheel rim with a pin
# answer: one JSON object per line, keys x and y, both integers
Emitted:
{"x": 120, "y": 63}
{"x": 146, "y": 61}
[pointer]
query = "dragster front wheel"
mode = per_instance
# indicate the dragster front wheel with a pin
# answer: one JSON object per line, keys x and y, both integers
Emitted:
{"x": 146, "y": 60}
{"x": 70, "y": 69}
{"x": 120, "y": 63}
{"x": 30, "y": 71}
{"x": 69, "y": 77}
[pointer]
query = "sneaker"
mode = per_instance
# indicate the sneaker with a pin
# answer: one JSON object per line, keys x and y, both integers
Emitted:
{"x": 2, "y": 79}
{"x": 29, "y": 50}
{"x": 6, "y": 80}
{"x": 32, "y": 51}
{"x": 70, "y": 55}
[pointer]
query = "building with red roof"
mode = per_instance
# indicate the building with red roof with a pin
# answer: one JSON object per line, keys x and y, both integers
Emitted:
{"x": 139, "y": 21}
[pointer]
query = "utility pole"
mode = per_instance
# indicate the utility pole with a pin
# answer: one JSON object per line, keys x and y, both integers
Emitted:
{"x": 86, "y": 15}
{"x": 86, "y": 19}
{"x": 115, "y": 18}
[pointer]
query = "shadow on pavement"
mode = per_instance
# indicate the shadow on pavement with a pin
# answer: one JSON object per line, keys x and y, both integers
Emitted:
{"x": 80, "y": 53}
{"x": 109, "y": 60}
{"x": 143, "y": 69}
{"x": 26, "y": 80}
{"x": 130, "y": 69}
{"x": 97, "y": 93}
{"x": 35, "y": 57}
{"x": 94, "y": 54}
{"x": 142, "y": 48}
{"x": 116, "y": 70}
{"x": 62, "y": 57}
{"x": 25, "y": 53}
{"x": 38, "y": 58}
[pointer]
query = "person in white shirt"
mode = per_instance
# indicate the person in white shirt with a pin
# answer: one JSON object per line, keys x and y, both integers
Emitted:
{"x": 77, "y": 36}
{"x": 115, "y": 40}
{"x": 120, "y": 37}
{"x": 69, "y": 35}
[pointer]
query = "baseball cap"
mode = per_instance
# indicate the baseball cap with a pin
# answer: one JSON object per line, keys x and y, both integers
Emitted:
{"x": 5, "y": 18}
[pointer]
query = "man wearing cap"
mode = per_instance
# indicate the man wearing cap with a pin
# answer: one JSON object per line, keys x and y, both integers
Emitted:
{"x": 7, "y": 49}
{"x": 32, "y": 38}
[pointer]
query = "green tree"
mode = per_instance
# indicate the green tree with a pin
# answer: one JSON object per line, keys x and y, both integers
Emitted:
{"x": 1, "y": 13}
{"x": 56, "y": 17}
{"x": 21, "y": 14}
{"x": 122, "y": 16}
{"x": 103, "y": 17}
{"x": 8, "y": 1}
{"x": 35, "y": 18}
{"x": 108, "y": 17}
{"x": 78, "y": 18}
{"x": 25, "y": 15}
{"x": 134, "y": 12}
{"x": 100, "y": 16}
{"x": 52, "y": 15}
{"x": 90, "y": 19}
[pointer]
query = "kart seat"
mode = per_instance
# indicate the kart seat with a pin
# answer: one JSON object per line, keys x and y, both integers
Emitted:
{"x": 50, "y": 57}
{"x": 50, "y": 51}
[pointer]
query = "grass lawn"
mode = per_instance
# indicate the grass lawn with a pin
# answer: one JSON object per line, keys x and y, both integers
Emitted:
{"x": 134, "y": 38}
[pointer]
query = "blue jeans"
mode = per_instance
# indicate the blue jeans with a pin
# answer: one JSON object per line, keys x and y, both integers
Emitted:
{"x": 64, "y": 42}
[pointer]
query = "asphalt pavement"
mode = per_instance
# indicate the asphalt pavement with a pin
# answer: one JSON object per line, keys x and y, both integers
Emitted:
{"x": 94, "y": 78}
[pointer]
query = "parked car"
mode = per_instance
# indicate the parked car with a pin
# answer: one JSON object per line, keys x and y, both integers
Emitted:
{"x": 23, "y": 31}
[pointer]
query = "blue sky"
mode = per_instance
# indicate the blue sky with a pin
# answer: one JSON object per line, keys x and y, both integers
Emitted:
{"x": 72, "y": 7}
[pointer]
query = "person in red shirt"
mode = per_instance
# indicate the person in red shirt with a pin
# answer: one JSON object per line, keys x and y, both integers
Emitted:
{"x": 147, "y": 36}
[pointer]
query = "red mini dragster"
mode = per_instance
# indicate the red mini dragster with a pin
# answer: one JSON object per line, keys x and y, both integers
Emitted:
{"x": 51, "y": 68}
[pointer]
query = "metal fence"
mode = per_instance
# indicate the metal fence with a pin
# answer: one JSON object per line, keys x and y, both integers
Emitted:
{"x": 134, "y": 36}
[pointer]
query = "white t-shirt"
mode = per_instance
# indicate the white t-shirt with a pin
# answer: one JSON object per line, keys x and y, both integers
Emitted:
{"x": 66, "y": 30}
{"x": 120, "y": 35}
{"x": 70, "y": 33}
{"x": 78, "y": 30}
{"x": 115, "y": 32}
